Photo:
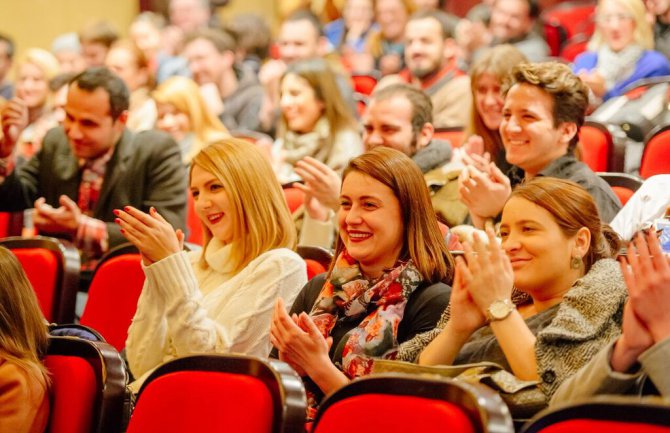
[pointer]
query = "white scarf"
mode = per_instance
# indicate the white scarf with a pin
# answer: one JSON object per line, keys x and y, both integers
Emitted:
{"x": 615, "y": 67}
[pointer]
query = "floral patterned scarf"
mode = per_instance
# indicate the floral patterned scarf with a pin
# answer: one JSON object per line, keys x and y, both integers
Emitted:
{"x": 348, "y": 293}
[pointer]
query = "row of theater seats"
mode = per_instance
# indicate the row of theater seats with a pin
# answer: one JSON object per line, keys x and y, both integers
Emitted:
{"x": 235, "y": 393}
{"x": 53, "y": 266}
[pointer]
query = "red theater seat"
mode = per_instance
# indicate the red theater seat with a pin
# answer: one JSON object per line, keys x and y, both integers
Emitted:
{"x": 317, "y": 259}
{"x": 455, "y": 135}
{"x": 656, "y": 156}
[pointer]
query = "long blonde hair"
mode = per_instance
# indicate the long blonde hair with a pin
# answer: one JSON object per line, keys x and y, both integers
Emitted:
{"x": 184, "y": 95}
{"x": 643, "y": 34}
{"x": 23, "y": 329}
{"x": 260, "y": 218}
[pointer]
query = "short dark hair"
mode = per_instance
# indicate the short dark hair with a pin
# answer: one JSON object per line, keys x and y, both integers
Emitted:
{"x": 10, "y": 45}
{"x": 447, "y": 22}
{"x": 101, "y": 77}
{"x": 221, "y": 39}
{"x": 306, "y": 15}
{"x": 422, "y": 106}
{"x": 569, "y": 93}
{"x": 61, "y": 80}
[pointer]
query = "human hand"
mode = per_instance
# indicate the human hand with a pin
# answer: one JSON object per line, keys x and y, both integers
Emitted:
{"x": 474, "y": 145}
{"x": 646, "y": 271}
{"x": 321, "y": 181}
{"x": 595, "y": 81}
{"x": 65, "y": 219}
{"x": 390, "y": 64}
{"x": 483, "y": 192}
{"x": 466, "y": 316}
{"x": 488, "y": 276}
{"x": 298, "y": 340}
{"x": 153, "y": 236}
{"x": 14, "y": 119}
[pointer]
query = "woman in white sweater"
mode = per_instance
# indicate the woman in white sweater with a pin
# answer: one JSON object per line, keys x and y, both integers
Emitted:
{"x": 219, "y": 299}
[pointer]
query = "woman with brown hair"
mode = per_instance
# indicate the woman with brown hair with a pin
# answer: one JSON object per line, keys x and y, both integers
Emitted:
{"x": 315, "y": 120}
{"x": 387, "y": 283}
{"x": 24, "y": 397}
{"x": 556, "y": 250}
{"x": 486, "y": 77}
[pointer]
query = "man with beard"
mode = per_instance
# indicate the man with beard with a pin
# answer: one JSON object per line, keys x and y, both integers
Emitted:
{"x": 431, "y": 57}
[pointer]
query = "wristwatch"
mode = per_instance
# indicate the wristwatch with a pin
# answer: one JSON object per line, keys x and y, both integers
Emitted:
{"x": 500, "y": 309}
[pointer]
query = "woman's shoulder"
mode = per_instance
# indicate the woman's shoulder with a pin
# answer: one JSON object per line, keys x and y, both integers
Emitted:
{"x": 285, "y": 256}
{"x": 653, "y": 59}
{"x": 587, "y": 59}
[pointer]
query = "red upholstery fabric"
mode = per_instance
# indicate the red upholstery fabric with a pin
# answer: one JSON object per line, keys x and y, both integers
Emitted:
{"x": 4, "y": 224}
{"x": 193, "y": 223}
{"x": 294, "y": 198}
{"x": 567, "y": 20}
{"x": 197, "y": 401}
{"x": 314, "y": 268}
{"x": 656, "y": 157}
{"x": 73, "y": 391}
{"x": 455, "y": 137}
{"x": 595, "y": 147}
{"x": 364, "y": 84}
{"x": 600, "y": 426}
{"x": 573, "y": 48}
{"x": 112, "y": 298}
{"x": 624, "y": 194}
{"x": 393, "y": 414}
{"x": 41, "y": 267}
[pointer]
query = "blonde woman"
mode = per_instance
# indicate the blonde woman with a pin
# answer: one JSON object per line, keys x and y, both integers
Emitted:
{"x": 27, "y": 116}
{"x": 182, "y": 113}
{"x": 621, "y": 49}
{"x": 219, "y": 299}
{"x": 24, "y": 397}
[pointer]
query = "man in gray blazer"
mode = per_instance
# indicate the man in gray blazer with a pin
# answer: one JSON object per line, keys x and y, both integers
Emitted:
{"x": 91, "y": 166}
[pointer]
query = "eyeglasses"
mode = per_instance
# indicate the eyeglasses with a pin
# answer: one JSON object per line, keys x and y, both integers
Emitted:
{"x": 610, "y": 18}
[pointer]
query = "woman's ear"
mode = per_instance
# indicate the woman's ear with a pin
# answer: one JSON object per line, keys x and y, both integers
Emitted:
{"x": 582, "y": 242}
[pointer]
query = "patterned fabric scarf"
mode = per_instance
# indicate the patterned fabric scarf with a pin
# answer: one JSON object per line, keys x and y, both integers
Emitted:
{"x": 349, "y": 294}
{"x": 617, "y": 66}
{"x": 93, "y": 173}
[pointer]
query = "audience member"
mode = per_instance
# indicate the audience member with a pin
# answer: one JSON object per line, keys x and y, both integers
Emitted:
{"x": 544, "y": 108}
{"x": 555, "y": 249}
{"x": 6, "y": 57}
{"x": 660, "y": 12}
{"x": 30, "y": 109}
{"x": 386, "y": 284}
{"x": 96, "y": 38}
{"x": 512, "y": 22}
{"x": 24, "y": 396}
{"x": 650, "y": 202}
{"x": 183, "y": 114}
{"x": 300, "y": 38}
{"x": 643, "y": 348}
{"x": 252, "y": 39}
{"x": 487, "y": 75}
{"x": 231, "y": 90}
{"x": 190, "y": 15}
{"x": 620, "y": 51}
{"x": 315, "y": 121}
{"x": 67, "y": 50}
{"x": 429, "y": 5}
{"x": 127, "y": 61}
{"x": 218, "y": 300}
{"x": 91, "y": 166}
{"x": 350, "y": 33}
{"x": 387, "y": 44}
{"x": 58, "y": 86}
{"x": 146, "y": 31}
{"x": 431, "y": 59}
{"x": 398, "y": 116}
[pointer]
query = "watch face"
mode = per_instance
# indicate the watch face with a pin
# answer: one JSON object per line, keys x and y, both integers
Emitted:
{"x": 499, "y": 309}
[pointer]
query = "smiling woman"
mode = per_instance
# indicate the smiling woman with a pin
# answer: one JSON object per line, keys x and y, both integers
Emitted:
{"x": 387, "y": 283}
{"x": 218, "y": 299}
{"x": 556, "y": 250}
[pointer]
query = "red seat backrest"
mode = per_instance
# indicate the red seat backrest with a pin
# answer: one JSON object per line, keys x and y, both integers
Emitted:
{"x": 294, "y": 198}
{"x": 73, "y": 390}
{"x": 193, "y": 223}
{"x": 112, "y": 298}
{"x": 314, "y": 268}
{"x": 393, "y": 414}
{"x": 602, "y": 426}
{"x": 203, "y": 401}
{"x": 455, "y": 136}
{"x": 4, "y": 224}
{"x": 573, "y": 48}
{"x": 567, "y": 20}
{"x": 596, "y": 145}
{"x": 656, "y": 156}
{"x": 623, "y": 193}
{"x": 364, "y": 84}
{"x": 43, "y": 269}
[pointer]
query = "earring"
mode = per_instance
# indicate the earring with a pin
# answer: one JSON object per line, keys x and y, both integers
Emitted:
{"x": 575, "y": 262}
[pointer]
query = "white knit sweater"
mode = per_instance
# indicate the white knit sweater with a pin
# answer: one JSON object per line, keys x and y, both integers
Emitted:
{"x": 184, "y": 309}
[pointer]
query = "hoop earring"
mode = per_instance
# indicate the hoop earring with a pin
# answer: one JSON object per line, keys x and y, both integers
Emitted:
{"x": 576, "y": 262}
